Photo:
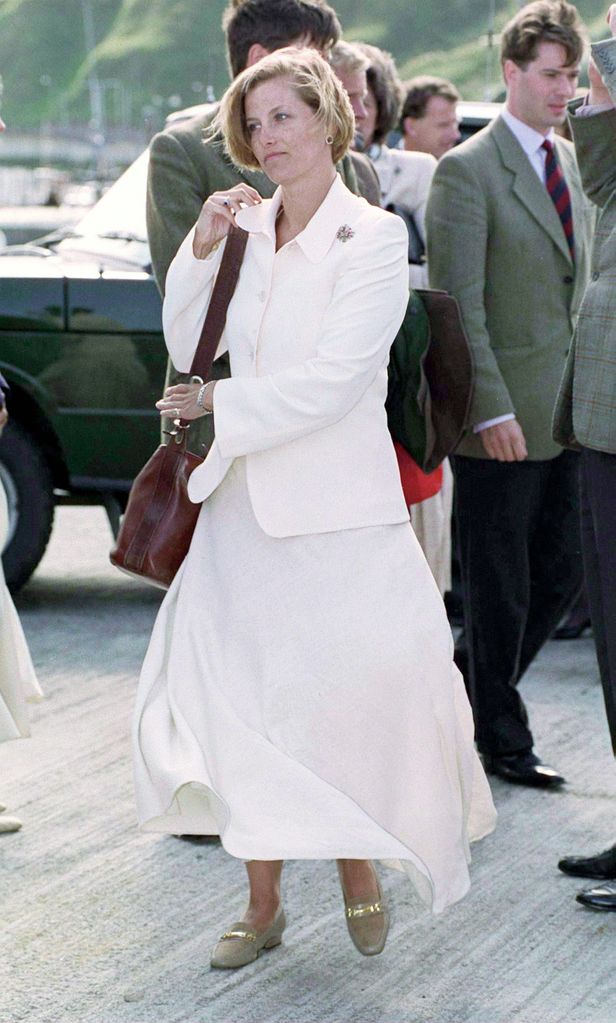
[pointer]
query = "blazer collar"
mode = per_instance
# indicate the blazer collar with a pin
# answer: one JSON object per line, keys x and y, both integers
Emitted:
{"x": 527, "y": 186}
{"x": 315, "y": 241}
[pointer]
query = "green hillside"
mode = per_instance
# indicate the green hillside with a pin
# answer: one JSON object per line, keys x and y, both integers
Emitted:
{"x": 155, "y": 55}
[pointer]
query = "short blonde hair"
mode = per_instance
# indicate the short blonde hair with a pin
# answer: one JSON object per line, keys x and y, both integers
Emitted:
{"x": 313, "y": 81}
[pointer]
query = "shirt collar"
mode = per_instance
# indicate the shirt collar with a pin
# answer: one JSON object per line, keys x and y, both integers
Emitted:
{"x": 529, "y": 138}
{"x": 320, "y": 231}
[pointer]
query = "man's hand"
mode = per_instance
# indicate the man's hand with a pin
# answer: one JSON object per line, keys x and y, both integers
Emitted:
{"x": 504, "y": 442}
{"x": 599, "y": 94}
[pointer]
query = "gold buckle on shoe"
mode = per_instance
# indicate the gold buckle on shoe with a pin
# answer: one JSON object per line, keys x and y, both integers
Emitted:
{"x": 248, "y": 935}
{"x": 369, "y": 907}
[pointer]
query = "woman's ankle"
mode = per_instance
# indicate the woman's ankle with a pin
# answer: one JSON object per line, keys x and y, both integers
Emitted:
{"x": 358, "y": 878}
{"x": 262, "y": 912}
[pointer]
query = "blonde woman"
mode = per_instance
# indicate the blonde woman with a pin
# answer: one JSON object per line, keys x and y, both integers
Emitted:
{"x": 299, "y": 696}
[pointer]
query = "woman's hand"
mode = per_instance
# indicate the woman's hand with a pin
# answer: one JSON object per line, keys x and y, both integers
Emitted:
{"x": 180, "y": 401}
{"x": 218, "y": 216}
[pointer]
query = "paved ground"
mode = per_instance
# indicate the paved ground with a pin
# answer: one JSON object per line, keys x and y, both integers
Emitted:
{"x": 104, "y": 925}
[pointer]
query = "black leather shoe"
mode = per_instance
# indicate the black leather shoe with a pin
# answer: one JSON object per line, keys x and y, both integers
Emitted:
{"x": 573, "y": 628}
{"x": 523, "y": 769}
{"x": 602, "y": 866}
{"x": 601, "y": 897}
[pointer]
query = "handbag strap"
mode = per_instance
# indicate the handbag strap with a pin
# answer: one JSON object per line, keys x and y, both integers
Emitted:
{"x": 216, "y": 316}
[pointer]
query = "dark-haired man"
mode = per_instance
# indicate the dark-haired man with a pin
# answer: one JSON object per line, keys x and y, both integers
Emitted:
{"x": 508, "y": 234}
{"x": 184, "y": 170}
{"x": 429, "y": 119}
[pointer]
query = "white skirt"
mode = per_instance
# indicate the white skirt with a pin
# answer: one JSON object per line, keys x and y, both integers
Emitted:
{"x": 299, "y": 699}
{"x": 18, "y": 682}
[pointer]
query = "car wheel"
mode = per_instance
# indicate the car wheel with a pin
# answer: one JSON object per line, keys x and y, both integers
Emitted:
{"x": 28, "y": 483}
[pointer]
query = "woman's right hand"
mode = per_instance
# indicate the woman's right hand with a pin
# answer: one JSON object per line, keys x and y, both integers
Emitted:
{"x": 218, "y": 215}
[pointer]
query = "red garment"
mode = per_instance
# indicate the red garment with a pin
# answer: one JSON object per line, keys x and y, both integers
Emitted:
{"x": 416, "y": 485}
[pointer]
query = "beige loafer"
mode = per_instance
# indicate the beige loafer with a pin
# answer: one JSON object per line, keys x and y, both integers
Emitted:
{"x": 8, "y": 824}
{"x": 241, "y": 945}
{"x": 367, "y": 921}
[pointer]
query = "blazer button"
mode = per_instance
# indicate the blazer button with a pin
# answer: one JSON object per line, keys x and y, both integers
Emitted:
{"x": 568, "y": 279}
{"x": 262, "y": 296}
{"x": 596, "y": 275}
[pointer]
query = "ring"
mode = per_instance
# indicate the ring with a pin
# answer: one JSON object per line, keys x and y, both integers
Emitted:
{"x": 178, "y": 414}
{"x": 226, "y": 202}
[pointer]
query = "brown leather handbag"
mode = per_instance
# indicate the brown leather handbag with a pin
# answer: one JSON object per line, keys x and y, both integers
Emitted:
{"x": 160, "y": 519}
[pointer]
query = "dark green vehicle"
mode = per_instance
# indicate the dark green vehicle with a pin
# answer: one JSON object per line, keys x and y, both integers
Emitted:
{"x": 82, "y": 349}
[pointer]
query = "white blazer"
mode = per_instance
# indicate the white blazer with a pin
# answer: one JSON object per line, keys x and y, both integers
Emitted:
{"x": 308, "y": 333}
{"x": 405, "y": 178}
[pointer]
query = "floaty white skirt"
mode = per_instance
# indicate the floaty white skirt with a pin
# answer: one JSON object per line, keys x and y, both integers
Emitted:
{"x": 18, "y": 682}
{"x": 299, "y": 699}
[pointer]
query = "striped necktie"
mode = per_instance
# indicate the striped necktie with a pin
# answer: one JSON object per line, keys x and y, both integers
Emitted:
{"x": 559, "y": 193}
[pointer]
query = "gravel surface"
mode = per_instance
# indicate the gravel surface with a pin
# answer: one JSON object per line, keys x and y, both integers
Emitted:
{"x": 102, "y": 924}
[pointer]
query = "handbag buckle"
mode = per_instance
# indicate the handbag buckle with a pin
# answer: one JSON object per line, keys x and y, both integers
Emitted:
{"x": 178, "y": 432}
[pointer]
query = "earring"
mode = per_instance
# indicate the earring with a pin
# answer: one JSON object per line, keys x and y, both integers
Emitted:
{"x": 329, "y": 139}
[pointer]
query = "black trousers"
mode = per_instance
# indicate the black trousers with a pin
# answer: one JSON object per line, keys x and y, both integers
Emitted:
{"x": 598, "y": 507}
{"x": 519, "y": 547}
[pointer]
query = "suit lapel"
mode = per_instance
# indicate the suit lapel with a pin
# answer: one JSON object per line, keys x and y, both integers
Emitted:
{"x": 528, "y": 188}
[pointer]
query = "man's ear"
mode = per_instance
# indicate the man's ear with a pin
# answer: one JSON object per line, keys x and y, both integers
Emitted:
{"x": 408, "y": 127}
{"x": 255, "y": 54}
{"x": 510, "y": 71}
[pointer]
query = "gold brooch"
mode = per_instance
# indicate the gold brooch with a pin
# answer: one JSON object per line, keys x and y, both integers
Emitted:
{"x": 344, "y": 233}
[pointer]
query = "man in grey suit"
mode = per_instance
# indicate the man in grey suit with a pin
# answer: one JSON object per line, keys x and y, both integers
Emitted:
{"x": 585, "y": 413}
{"x": 508, "y": 235}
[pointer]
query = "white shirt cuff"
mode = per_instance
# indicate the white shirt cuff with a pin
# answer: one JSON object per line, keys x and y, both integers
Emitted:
{"x": 586, "y": 110}
{"x": 493, "y": 422}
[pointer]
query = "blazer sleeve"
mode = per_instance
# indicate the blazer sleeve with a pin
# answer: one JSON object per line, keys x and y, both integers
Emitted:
{"x": 190, "y": 282}
{"x": 457, "y": 241}
{"x": 367, "y": 306}
{"x": 595, "y": 147}
{"x": 175, "y": 195}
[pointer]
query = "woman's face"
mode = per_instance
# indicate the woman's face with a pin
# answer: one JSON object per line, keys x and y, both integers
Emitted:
{"x": 368, "y": 123}
{"x": 284, "y": 133}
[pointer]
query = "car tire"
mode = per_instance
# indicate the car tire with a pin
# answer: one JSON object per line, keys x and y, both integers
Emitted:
{"x": 28, "y": 483}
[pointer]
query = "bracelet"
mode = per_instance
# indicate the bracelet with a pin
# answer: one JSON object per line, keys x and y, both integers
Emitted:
{"x": 201, "y": 399}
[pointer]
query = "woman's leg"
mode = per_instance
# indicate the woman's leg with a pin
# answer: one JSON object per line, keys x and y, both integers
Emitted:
{"x": 366, "y": 912}
{"x": 264, "y": 880}
{"x": 358, "y": 879}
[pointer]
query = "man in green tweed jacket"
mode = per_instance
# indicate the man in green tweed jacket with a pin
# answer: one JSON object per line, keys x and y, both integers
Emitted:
{"x": 184, "y": 170}
{"x": 585, "y": 413}
{"x": 498, "y": 241}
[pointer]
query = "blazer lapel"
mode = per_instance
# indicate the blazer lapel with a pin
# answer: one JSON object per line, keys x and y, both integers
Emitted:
{"x": 528, "y": 188}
